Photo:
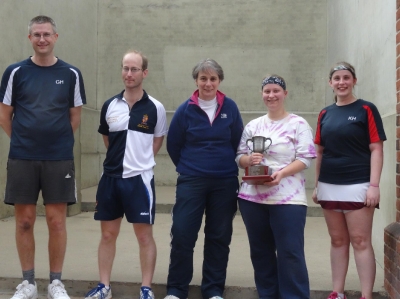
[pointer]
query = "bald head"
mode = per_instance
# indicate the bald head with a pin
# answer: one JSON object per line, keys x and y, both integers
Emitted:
{"x": 131, "y": 53}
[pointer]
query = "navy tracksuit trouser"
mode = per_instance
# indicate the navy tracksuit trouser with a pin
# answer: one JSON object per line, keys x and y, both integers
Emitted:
{"x": 276, "y": 237}
{"x": 196, "y": 196}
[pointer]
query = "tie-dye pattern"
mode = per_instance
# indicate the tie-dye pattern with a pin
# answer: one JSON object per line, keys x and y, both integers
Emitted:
{"x": 292, "y": 139}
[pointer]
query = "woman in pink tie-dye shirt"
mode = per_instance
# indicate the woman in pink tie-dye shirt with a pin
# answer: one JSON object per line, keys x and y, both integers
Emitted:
{"x": 275, "y": 213}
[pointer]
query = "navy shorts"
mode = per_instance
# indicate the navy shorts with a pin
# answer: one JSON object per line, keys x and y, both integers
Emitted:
{"x": 133, "y": 197}
{"x": 25, "y": 179}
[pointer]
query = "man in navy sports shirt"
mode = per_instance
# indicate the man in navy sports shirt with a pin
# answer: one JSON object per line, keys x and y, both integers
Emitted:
{"x": 133, "y": 125}
{"x": 40, "y": 108}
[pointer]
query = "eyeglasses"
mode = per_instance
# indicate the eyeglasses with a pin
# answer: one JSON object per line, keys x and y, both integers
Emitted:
{"x": 39, "y": 36}
{"x": 126, "y": 69}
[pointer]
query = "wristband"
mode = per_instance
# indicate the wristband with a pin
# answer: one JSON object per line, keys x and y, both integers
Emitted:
{"x": 372, "y": 185}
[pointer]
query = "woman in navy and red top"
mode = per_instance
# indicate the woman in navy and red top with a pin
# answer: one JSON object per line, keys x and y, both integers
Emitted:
{"x": 349, "y": 162}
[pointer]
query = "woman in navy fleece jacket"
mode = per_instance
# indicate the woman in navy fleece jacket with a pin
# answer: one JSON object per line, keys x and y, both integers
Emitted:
{"x": 202, "y": 141}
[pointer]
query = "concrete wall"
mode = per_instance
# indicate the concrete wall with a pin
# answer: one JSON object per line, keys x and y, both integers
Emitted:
{"x": 248, "y": 38}
{"x": 363, "y": 33}
{"x": 77, "y": 44}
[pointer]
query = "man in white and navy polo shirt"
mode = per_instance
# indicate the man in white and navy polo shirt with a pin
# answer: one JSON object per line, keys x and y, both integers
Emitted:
{"x": 133, "y": 125}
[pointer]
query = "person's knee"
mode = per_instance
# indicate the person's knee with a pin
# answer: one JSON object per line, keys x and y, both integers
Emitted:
{"x": 56, "y": 217}
{"x": 56, "y": 224}
{"x": 218, "y": 238}
{"x": 183, "y": 244}
{"x": 339, "y": 241}
{"x": 25, "y": 218}
{"x": 360, "y": 242}
{"x": 145, "y": 240}
{"x": 109, "y": 236}
{"x": 25, "y": 224}
{"x": 221, "y": 233}
{"x": 183, "y": 241}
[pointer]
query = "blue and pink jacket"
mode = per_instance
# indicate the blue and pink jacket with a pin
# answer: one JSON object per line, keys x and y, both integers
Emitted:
{"x": 202, "y": 148}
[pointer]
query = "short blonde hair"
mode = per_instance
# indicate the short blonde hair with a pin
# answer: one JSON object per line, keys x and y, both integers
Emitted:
{"x": 42, "y": 20}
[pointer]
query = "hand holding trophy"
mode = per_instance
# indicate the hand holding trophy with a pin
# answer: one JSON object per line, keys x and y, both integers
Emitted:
{"x": 257, "y": 174}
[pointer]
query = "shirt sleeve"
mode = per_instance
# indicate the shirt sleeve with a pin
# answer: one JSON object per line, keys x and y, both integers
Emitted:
{"x": 104, "y": 129}
{"x": 161, "y": 128}
{"x": 6, "y": 87}
{"x": 237, "y": 129}
{"x": 317, "y": 139}
{"x": 176, "y": 135}
{"x": 243, "y": 149}
{"x": 304, "y": 145}
{"x": 79, "y": 97}
{"x": 375, "y": 126}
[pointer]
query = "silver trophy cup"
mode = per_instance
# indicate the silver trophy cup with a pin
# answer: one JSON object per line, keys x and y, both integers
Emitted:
{"x": 259, "y": 146}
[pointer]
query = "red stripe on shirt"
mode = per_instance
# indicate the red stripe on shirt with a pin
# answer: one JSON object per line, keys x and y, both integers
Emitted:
{"x": 373, "y": 130}
{"x": 317, "y": 139}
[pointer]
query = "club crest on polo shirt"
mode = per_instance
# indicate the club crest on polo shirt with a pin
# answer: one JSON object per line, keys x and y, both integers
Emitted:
{"x": 143, "y": 124}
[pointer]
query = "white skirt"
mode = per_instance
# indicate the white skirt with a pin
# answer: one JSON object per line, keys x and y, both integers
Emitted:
{"x": 346, "y": 193}
{"x": 342, "y": 197}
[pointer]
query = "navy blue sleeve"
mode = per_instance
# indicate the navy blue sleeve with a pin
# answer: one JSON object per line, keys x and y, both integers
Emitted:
{"x": 318, "y": 139}
{"x": 81, "y": 87}
{"x": 376, "y": 131}
{"x": 4, "y": 97}
{"x": 104, "y": 128}
{"x": 176, "y": 134}
{"x": 77, "y": 97}
{"x": 237, "y": 127}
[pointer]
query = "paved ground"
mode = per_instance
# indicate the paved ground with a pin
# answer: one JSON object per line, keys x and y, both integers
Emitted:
{"x": 80, "y": 270}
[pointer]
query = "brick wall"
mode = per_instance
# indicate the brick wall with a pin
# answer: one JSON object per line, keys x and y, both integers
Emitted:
{"x": 392, "y": 257}
{"x": 392, "y": 231}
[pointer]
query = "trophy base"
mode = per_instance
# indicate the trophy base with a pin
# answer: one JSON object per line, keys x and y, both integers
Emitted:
{"x": 256, "y": 170}
{"x": 257, "y": 175}
{"x": 256, "y": 179}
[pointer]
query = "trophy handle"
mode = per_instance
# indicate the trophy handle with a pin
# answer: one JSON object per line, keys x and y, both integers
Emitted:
{"x": 247, "y": 143}
{"x": 270, "y": 142}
